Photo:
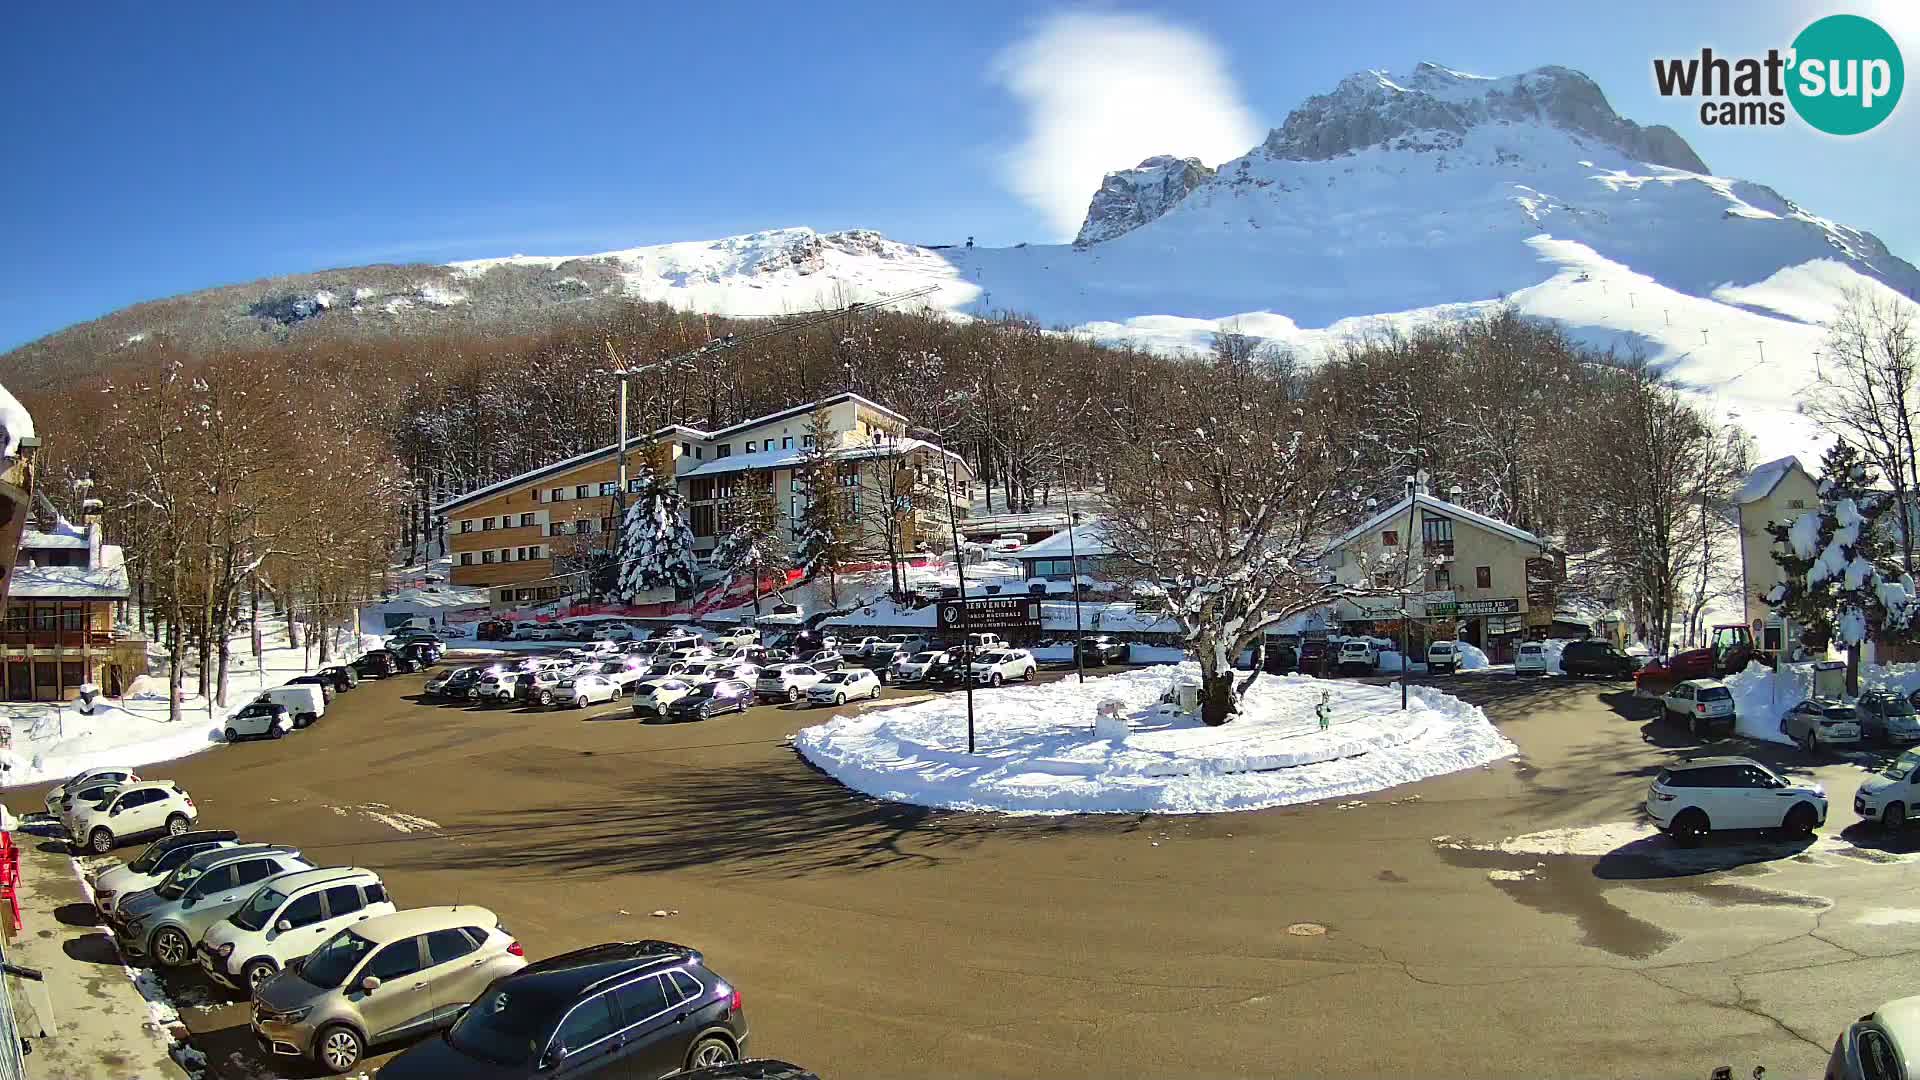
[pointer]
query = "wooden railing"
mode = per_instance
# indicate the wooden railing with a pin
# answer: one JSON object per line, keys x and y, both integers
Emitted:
{"x": 58, "y": 639}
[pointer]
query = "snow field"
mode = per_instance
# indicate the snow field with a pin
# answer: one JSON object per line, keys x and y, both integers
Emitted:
{"x": 1038, "y": 753}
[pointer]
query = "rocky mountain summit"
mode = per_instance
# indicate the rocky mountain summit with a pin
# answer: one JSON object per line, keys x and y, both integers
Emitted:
{"x": 1132, "y": 197}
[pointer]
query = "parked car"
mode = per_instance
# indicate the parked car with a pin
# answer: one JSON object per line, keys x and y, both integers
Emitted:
{"x": 641, "y": 1009}
{"x": 541, "y": 687}
{"x": 378, "y": 664}
{"x": 343, "y": 675}
{"x": 1818, "y": 722}
{"x": 702, "y": 671}
{"x": 860, "y": 646}
{"x": 1882, "y": 1045}
{"x": 1356, "y": 656}
{"x": 524, "y": 631}
{"x": 673, "y": 633}
{"x": 551, "y": 632}
{"x": 1313, "y": 656}
{"x": 1443, "y": 657}
{"x": 497, "y": 688}
{"x": 286, "y": 918}
{"x": 430, "y": 962}
{"x": 1704, "y": 705}
{"x": 141, "y": 808}
{"x": 305, "y": 701}
{"x": 324, "y": 682}
{"x": 1103, "y": 650}
{"x": 1000, "y": 665}
{"x": 259, "y": 719}
{"x": 1007, "y": 545}
{"x": 455, "y": 683}
{"x": 1530, "y": 658}
{"x": 64, "y": 794}
{"x": 407, "y": 635}
{"x": 493, "y": 630}
{"x": 626, "y": 672}
{"x": 614, "y": 632}
{"x": 580, "y": 691}
{"x": 1891, "y": 796}
{"x": 736, "y": 635}
{"x": 916, "y": 668}
{"x": 712, "y": 699}
{"x": 165, "y": 922}
{"x": 1595, "y": 657}
{"x": 152, "y": 866}
{"x": 1887, "y": 719}
{"x": 785, "y": 682}
{"x": 982, "y": 642}
{"x": 1690, "y": 799}
{"x": 949, "y": 668}
{"x": 652, "y": 698}
{"x": 421, "y": 655}
{"x": 823, "y": 659}
{"x": 839, "y": 687}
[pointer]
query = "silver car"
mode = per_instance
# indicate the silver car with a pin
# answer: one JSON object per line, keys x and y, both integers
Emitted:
{"x": 152, "y": 866}
{"x": 166, "y": 921}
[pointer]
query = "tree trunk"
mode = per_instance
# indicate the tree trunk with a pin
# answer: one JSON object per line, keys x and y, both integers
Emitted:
{"x": 1217, "y": 701}
{"x": 253, "y": 619}
{"x": 176, "y": 652}
{"x": 285, "y": 604}
{"x": 1853, "y": 671}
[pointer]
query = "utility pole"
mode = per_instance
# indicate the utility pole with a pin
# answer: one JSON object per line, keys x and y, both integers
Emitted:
{"x": 959, "y": 569}
{"x": 1406, "y": 617}
{"x": 1073, "y": 554}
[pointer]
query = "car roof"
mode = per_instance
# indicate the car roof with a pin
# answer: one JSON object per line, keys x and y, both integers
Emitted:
{"x": 1709, "y": 762}
{"x": 207, "y": 860}
{"x": 1901, "y": 1018}
{"x": 384, "y": 928}
{"x": 300, "y": 879}
{"x": 149, "y": 785}
{"x": 574, "y": 972}
{"x": 202, "y": 836}
{"x": 1702, "y": 683}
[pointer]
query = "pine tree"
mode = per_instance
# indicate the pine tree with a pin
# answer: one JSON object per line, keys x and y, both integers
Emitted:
{"x": 1842, "y": 581}
{"x": 754, "y": 546}
{"x": 825, "y": 543}
{"x": 656, "y": 542}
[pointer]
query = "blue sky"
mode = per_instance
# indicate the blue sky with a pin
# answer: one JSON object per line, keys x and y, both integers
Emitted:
{"x": 154, "y": 149}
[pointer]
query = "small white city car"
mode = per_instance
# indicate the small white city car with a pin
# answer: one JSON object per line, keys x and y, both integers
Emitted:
{"x": 652, "y": 698}
{"x": 840, "y": 687}
{"x": 138, "y": 809}
{"x": 260, "y": 719}
{"x": 1530, "y": 658}
{"x": 1892, "y": 796}
{"x": 785, "y": 682}
{"x": 997, "y": 667}
{"x": 496, "y": 688}
{"x": 913, "y": 668}
{"x": 287, "y": 918}
{"x": 1704, "y": 705}
{"x": 1690, "y": 799}
{"x": 1443, "y": 657}
{"x": 581, "y": 691}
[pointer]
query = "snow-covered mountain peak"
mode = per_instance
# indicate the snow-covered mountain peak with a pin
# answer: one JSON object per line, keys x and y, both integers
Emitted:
{"x": 1433, "y": 107}
{"x": 1132, "y": 197}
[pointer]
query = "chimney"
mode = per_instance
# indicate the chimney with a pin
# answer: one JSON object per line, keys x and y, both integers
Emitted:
{"x": 1455, "y": 494}
{"x": 90, "y": 510}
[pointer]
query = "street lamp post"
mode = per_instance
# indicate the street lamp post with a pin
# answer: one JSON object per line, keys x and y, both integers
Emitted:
{"x": 960, "y": 570}
{"x": 1073, "y": 556}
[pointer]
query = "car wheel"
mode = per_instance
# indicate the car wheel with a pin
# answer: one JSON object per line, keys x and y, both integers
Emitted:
{"x": 258, "y": 972}
{"x": 996, "y": 680}
{"x": 1800, "y": 820}
{"x": 1028, "y": 677}
{"x": 338, "y": 1049}
{"x": 232, "y": 735}
{"x": 1806, "y": 742}
{"x": 876, "y": 693}
{"x": 839, "y": 699}
{"x": 546, "y": 698}
{"x": 1693, "y": 725}
{"x": 100, "y": 840}
{"x": 171, "y": 948}
{"x": 177, "y": 824}
{"x": 709, "y": 1052}
{"x": 793, "y": 694}
{"x": 274, "y": 731}
{"x": 1690, "y": 828}
{"x": 1894, "y": 817}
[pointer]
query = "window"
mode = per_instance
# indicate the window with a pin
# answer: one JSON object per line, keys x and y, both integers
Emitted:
{"x": 17, "y": 619}
{"x": 687, "y": 985}
{"x": 535, "y": 493}
{"x": 633, "y": 485}
{"x": 445, "y": 945}
{"x": 534, "y": 552}
{"x": 506, "y": 596}
{"x": 806, "y": 440}
{"x": 556, "y": 528}
{"x": 686, "y": 449}
{"x": 751, "y": 446}
{"x": 255, "y": 870}
{"x": 526, "y": 519}
{"x": 609, "y": 487}
{"x": 1436, "y": 534}
{"x": 520, "y": 554}
{"x": 46, "y": 618}
{"x": 486, "y": 557}
{"x": 580, "y": 491}
{"x": 699, "y": 452}
{"x": 703, "y": 521}
{"x": 466, "y": 524}
{"x": 589, "y": 1022}
{"x": 211, "y": 882}
{"x": 606, "y": 523}
{"x": 396, "y": 961}
{"x": 786, "y": 442}
{"x": 1442, "y": 579}
{"x": 304, "y": 911}
{"x": 559, "y": 495}
{"x": 345, "y": 899}
{"x": 1381, "y": 579}
{"x": 73, "y": 619}
{"x": 723, "y": 450}
{"x": 639, "y": 1000}
{"x": 486, "y": 524}
{"x": 1390, "y": 538}
{"x": 583, "y": 527}
{"x": 1796, "y": 504}
{"x": 1483, "y": 577}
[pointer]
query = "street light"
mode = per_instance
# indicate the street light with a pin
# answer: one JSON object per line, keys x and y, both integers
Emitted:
{"x": 1073, "y": 555}
{"x": 960, "y": 571}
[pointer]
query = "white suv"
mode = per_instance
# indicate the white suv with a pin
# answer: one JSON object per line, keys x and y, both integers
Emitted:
{"x": 787, "y": 682}
{"x": 137, "y": 809}
{"x": 839, "y": 687}
{"x": 997, "y": 667}
{"x": 914, "y": 667}
{"x": 1690, "y": 799}
{"x": 287, "y": 918}
{"x": 736, "y": 635}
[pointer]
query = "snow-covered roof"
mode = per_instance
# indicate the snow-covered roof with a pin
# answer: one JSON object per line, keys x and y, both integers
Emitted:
{"x": 60, "y": 538}
{"x": 787, "y": 459}
{"x": 437, "y": 596}
{"x": 1438, "y": 506}
{"x": 805, "y": 408}
{"x": 108, "y": 581}
{"x": 1761, "y": 482}
{"x": 1086, "y": 539}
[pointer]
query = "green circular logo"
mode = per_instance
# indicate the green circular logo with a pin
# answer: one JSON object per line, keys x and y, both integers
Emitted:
{"x": 1846, "y": 74}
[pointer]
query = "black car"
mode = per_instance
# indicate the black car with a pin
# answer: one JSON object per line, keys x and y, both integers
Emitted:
{"x": 1314, "y": 657}
{"x": 950, "y": 669}
{"x": 422, "y": 654}
{"x": 712, "y": 699}
{"x": 454, "y": 684}
{"x": 752, "y": 1069}
{"x": 378, "y": 664}
{"x": 341, "y": 676}
{"x": 1281, "y": 659}
{"x": 1596, "y": 657}
{"x": 1103, "y": 650}
{"x": 641, "y": 1009}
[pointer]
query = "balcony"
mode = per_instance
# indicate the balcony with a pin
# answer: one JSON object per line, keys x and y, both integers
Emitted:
{"x": 49, "y": 640}
{"x": 1440, "y": 548}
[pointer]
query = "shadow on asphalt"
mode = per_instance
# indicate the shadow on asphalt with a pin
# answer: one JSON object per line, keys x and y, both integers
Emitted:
{"x": 92, "y": 949}
{"x": 76, "y": 915}
{"x": 778, "y": 820}
{"x": 1870, "y": 836}
{"x": 1658, "y": 857}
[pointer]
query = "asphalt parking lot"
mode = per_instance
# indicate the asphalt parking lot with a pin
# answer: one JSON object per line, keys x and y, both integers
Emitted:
{"x": 1407, "y": 932}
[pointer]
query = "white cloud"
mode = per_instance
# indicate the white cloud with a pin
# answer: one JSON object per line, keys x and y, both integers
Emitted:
{"x": 1103, "y": 92}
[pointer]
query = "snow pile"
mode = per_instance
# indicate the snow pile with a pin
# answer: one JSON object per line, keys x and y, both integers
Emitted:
{"x": 1471, "y": 658}
{"x": 1761, "y": 697}
{"x": 1039, "y": 755}
{"x": 16, "y": 422}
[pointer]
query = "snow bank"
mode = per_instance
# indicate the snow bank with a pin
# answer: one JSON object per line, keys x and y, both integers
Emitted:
{"x": 1038, "y": 753}
{"x": 1471, "y": 658}
{"x": 1154, "y": 654}
{"x": 1761, "y": 697}
{"x": 56, "y": 743}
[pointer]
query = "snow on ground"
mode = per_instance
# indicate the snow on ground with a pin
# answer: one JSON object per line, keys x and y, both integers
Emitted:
{"x": 1761, "y": 697}
{"x": 1471, "y": 658}
{"x": 55, "y": 742}
{"x": 1039, "y": 755}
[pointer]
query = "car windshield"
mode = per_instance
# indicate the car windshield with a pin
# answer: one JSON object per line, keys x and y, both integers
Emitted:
{"x": 330, "y": 964}
{"x": 834, "y": 677}
{"x": 1896, "y": 707}
{"x": 508, "y": 1025}
{"x": 178, "y": 882}
{"x": 150, "y": 858}
{"x": 990, "y": 658}
{"x": 258, "y": 910}
{"x": 1899, "y": 767}
{"x": 1442, "y": 648}
{"x": 1838, "y": 712}
{"x": 925, "y": 657}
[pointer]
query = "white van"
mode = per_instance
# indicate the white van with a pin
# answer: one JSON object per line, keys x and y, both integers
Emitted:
{"x": 306, "y": 701}
{"x": 1443, "y": 656}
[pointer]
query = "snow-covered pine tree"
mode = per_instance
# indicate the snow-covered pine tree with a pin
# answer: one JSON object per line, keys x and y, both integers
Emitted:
{"x": 1842, "y": 579}
{"x": 755, "y": 545}
{"x": 656, "y": 542}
